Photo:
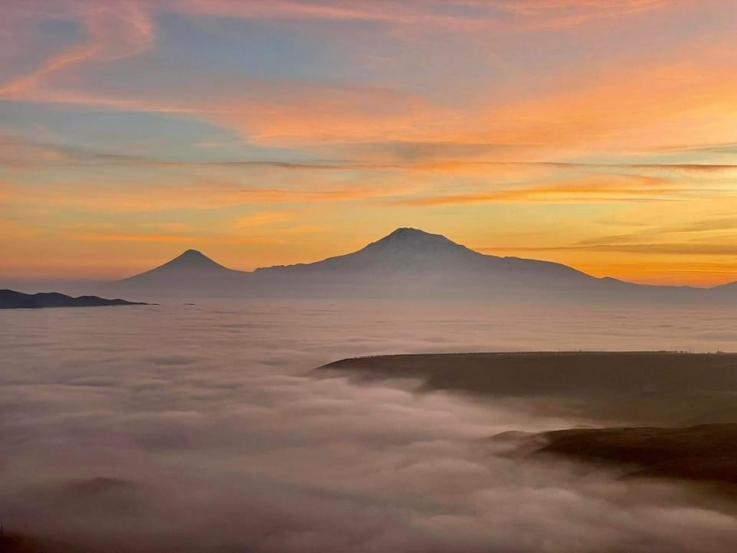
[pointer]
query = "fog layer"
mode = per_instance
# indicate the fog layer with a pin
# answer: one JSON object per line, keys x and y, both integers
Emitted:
{"x": 193, "y": 428}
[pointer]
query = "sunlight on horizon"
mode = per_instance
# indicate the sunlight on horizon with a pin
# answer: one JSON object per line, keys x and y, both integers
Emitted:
{"x": 599, "y": 134}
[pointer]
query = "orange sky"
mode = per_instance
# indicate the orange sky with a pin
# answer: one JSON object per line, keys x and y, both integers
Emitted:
{"x": 597, "y": 133}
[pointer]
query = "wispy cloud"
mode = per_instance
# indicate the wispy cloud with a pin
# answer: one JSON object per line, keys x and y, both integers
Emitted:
{"x": 113, "y": 31}
{"x": 170, "y": 238}
{"x": 597, "y": 107}
{"x": 302, "y": 114}
{"x": 460, "y": 14}
{"x": 17, "y": 151}
{"x": 592, "y": 188}
{"x": 728, "y": 250}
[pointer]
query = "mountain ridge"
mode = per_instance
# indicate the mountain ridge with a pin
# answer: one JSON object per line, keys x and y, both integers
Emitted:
{"x": 409, "y": 246}
{"x": 406, "y": 262}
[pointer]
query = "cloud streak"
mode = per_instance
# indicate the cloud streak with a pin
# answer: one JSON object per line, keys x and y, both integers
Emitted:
{"x": 600, "y": 188}
{"x": 420, "y": 112}
{"x": 113, "y": 32}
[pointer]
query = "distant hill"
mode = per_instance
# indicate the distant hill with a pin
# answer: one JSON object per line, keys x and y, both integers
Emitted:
{"x": 406, "y": 263}
{"x": 10, "y": 299}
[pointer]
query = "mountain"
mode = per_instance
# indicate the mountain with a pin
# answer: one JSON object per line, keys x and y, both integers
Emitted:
{"x": 730, "y": 287}
{"x": 411, "y": 262}
{"x": 415, "y": 251}
{"x": 190, "y": 265}
{"x": 406, "y": 263}
{"x": 402, "y": 250}
{"x": 10, "y": 299}
{"x": 192, "y": 269}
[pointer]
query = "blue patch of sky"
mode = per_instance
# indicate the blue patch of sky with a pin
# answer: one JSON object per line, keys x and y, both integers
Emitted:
{"x": 248, "y": 48}
{"x": 53, "y": 36}
{"x": 465, "y": 10}
{"x": 153, "y": 135}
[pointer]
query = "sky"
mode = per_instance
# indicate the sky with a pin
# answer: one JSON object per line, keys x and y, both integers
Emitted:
{"x": 597, "y": 133}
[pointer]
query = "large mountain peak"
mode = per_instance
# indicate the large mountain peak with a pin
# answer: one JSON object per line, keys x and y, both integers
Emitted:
{"x": 193, "y": 259}
{"x": 409, "y": 240}
{"x": 409, "y": 234}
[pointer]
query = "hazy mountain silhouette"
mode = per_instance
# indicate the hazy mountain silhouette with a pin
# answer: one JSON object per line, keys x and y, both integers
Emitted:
{"x": 406, "y": 263}
{"x": 10, "y": 299}
{"x": 191, "y": 265}
{"x": 413, "y": 250}
{"x": 403, "y": 249}
{"x": 730, "y": 287}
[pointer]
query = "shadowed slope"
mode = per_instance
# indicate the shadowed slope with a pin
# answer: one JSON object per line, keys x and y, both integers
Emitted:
{"x": 668, "y": 389}
{"x": 704, "y": 452}
{"x": 624, "y": 388}
{"x": 11, "y": 542}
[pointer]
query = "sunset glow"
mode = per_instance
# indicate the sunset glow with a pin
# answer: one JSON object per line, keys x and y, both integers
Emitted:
{"x": 597, "y": 133}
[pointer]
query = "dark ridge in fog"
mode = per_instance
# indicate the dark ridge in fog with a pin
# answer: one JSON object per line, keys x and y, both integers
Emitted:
{"x": 12, "y": 542}
{"x": 700, "y": 453}
{"x": 622, "y": 387}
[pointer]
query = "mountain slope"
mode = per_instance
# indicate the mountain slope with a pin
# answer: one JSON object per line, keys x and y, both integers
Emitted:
{"x": 729, "y": 287}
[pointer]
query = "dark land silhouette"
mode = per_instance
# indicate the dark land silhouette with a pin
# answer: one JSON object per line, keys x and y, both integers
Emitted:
{"x": 10, "y": 299}
{"x": 705, "y": 452}
{"x": 662, "y": 414}
{"x": 624, "y": 387}
{"x": 13, "y": 542}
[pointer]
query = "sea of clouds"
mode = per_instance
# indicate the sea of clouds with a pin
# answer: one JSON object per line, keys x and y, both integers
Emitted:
{"x": 198, "y": 428}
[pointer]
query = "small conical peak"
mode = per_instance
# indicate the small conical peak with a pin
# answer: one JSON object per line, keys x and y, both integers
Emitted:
{"x": 189, "y": 263}
{"x": 193, "y": 254}
{"x": 193, "y": 259}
